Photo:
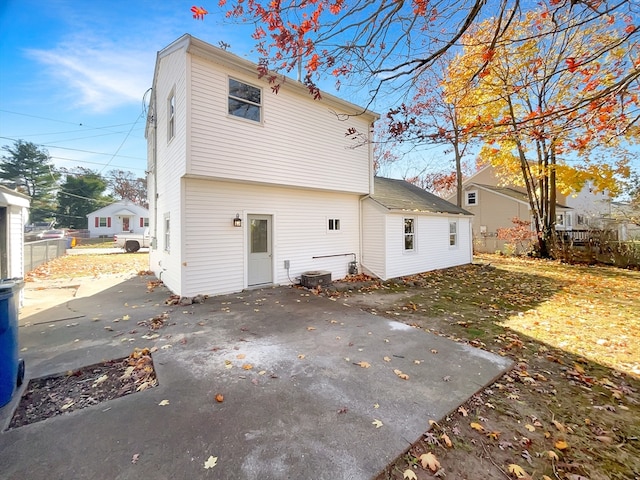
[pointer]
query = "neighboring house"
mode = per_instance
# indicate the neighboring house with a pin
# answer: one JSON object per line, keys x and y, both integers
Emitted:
{"x": 118, "y": 217}
{"x": 625, "y": 219}
{"x": 249, "y": 188}
{"x": 494, "y": 206}
{"x": 14, "y": 208}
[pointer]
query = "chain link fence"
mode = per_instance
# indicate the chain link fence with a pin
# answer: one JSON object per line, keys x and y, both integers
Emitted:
{"x": 41, "y": 251}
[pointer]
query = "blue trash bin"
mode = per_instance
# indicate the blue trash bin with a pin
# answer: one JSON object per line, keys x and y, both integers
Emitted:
{"x": 11, "y": 367}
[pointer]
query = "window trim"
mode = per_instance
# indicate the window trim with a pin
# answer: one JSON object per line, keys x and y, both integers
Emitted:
{"x": 466, "y": 198}
{"x": 171, "y": 116}
{"x": 411, "y": 234}
{"x": 453, "y": 235}
{"x": 244, "y": 100}
{"x": 167, "y": 232}
{"x": 333, "y": 225}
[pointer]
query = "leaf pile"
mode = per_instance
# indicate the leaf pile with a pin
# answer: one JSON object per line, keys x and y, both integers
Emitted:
{"x": 58, "y": 394}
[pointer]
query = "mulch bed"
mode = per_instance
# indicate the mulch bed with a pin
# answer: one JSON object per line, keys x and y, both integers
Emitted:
{"x": 58, "y": 394}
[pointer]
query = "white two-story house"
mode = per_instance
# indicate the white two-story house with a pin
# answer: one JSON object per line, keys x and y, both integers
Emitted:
{"x": 249, "y": 188}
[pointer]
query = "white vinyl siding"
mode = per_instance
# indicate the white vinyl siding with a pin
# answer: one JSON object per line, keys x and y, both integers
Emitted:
{"x": 374, "y": 239}
{"x": 299, "y": 233}
{"x": 300, "y": 142}
{"x": 385, "y": 255}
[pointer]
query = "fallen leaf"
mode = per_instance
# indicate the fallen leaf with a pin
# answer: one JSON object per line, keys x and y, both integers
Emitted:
{"x": 493, "y": 435}
{"x": 377, "y": 423}
{"x": 409, "y": 474}
{"x": 561, "y": 445}
{"x": 529, "y": 427}
{"x": 135, "y": 458}
{"x": 211, "y": 462}
{"x": 559, "y": 426}
{"x": 126, "y": 317}
{"x": 387, "y": 359}
{"x": 429, "y": 460}
{"x": 240, "y": 356}
{"x": 417, "y": 362}
{"x": 364, "y": 364}
{"x": 247, "y": 366}
{"x": 262, "y": 372}
{"x": 463, "y": 411}
{"x": 301, "y": 356}
{"x": 311, "y": 328}
{"x": 433, "y": 350}
{"x": 163, "y": 403}
{"x": 376, "y": 405}
{"x": 552, "y": 455}
{"x": 447, "y": 440}
{"x": 399, "y": 373}
{"x": 100, "y": 380}
{"x": 219, "y": 398}
{"x": 477, "y": 426}
{"x": 517, "y": 470}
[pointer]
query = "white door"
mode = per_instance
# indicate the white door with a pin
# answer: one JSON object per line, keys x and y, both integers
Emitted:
{"x": 260, "y": 264}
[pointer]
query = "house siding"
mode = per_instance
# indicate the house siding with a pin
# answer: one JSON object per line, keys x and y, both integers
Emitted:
{"x": 432, "y": 250}
{"x": 164, "y": 180}
{"x": 214, "y": 253}
{"x": 373, "y": 239}
{"x": 300, "y": 142}
{"x": 492, "y": 211}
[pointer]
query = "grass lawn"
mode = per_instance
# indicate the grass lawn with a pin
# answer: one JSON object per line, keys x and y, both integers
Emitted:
{"x": 569, "y": 409}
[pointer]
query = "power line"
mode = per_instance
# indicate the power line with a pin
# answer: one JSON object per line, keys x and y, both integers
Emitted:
{"x": 48, "y": 145}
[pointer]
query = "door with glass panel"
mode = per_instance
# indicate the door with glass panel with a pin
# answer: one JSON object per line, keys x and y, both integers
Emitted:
{"x": 260, "y": 264}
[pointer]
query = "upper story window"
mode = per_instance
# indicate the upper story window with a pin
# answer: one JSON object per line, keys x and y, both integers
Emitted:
{"x": 334, "y": 224}
{"x": 245, "y": 101}
{"x": 409, "y": 234}
{"x": 471, "y": 197}
{"x": 171, "y": 116}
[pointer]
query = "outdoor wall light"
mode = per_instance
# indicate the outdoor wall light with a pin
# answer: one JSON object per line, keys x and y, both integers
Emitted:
{"x": 237, "y": 222}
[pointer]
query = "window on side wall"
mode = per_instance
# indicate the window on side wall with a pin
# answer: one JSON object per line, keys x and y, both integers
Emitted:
{"x": 409, "y": 234}
{"x": 245, "y": 101}
{"x": 471, "y": 197}
{"x": 453, "y": 234}
{"x": 171, "y": 116}
{"x": 167, "y": 233}
{"x": 334, "y": 224}
{"x": 560, "y": 219}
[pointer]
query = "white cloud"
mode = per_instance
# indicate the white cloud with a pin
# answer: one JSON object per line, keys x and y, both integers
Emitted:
{"x": 100, "y": 77}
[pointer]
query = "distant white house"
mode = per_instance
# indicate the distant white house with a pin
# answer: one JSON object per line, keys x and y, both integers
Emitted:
{"x": 119, "y": 217}
{"x": 14, "y": 208}
{"x": 248, "y": 188}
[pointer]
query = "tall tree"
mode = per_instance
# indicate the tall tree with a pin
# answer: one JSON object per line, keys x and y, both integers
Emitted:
{"x": 81, "y": 193}
{"x": 385, "y": 43}
{"x": 544, "y": 106}
{"x": 126, "y": 186}
{"x": 432, "y": 116}
{"x": 29, "y": 169}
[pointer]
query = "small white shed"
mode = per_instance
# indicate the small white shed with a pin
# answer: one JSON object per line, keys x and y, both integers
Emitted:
{"x": 119, "y": 217}
{"x": 14, "y": 208}
{"x": 407, "y": 230}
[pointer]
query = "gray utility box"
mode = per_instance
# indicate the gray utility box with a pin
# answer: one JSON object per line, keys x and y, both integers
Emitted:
{"x": 315, "y": 278}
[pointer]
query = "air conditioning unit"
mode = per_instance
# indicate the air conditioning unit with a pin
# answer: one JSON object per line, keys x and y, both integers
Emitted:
{"x": 315, "y": 278}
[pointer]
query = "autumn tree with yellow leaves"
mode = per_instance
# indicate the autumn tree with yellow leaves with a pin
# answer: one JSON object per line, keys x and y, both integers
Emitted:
{"x": 548, "y": 105}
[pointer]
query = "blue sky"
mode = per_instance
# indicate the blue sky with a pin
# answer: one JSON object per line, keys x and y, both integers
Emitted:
{"x": 73, "y": 75}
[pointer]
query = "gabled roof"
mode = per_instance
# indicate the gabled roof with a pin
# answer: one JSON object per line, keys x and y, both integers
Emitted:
{"x": 193, "y": 45}
{"x": 513, "y": 193}
{"x": 401, "y": 195}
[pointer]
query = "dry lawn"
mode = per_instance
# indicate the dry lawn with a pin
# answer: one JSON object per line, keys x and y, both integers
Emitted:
{"x": 570, "y": 408}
